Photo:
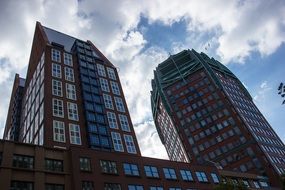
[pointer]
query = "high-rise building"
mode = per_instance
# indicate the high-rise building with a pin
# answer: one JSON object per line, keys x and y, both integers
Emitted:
{"x": 68, "y": 128}
{"x": 69, "y": 84}
{"x": 203, "y": 113}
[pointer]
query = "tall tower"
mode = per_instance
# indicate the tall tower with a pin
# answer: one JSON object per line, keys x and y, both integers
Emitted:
{"x": 72, "y": 97}
{"x": 203, "y": 113}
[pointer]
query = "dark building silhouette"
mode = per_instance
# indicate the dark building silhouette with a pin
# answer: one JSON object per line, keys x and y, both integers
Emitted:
{"x": 203, "y": 113}
{"x": 73, "y": 129}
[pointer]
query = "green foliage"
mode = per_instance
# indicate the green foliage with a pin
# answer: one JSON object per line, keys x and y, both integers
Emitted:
{"x": 230, "y": 186}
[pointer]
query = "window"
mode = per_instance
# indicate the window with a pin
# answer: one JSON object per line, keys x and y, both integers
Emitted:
{"x": 117, "y": 141}
{"x": 68, "y": 59}
{"x": 186, "y": 175}
{"x": 135, "y": 187}
{"x": 22, "y": 185}
{"x": 108, "y": 101}
{"x": 56, "y": 70}
{"x": 115, "y": 88}
{"x": 256, "y": 185}
{"x": 87, "y": 185}
{"x": 69, "y": 75}
{"x": 72, "y": 111}
{"x": 70, "y": 91}
{"x": 85, "y": 164}
{"x": 56, "y": 88}
{"x": 201, "y": 177}
{"x": 108, "y": 167}
{"x": 49, "y": 186}
{"x": 215, "y": 178}
{"x": 55, "y": 55}
{"x": 58, "y": 131}
{"x": 119, "y": 104}
{"x": 74, "y": 131}
{"x": 101, "y": 70}
{"x": 111, "y": 73}
{"x": 57, "y": 106}
{"x": 130, "y": 144}
{"x": 264, "y": 184}
{"x": 131, "y": 169}
{"x": 151, "y": 171}
{"x": 23, "y": 161}
{"x": 169, "y": 173}
{"x": 155, "y": 188}
{"x": 174, "y": 188}
{"x": 54, "y": 165}
{"x": 245, "y": 183}
{"x": 104, "y": 85}
{"x": 112, "y": 186}
{"x": 112, "y": 120}
{"x": 124, "y": 123}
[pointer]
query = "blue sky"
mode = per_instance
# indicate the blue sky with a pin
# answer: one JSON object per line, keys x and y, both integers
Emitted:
{"x": 247, "y": 36}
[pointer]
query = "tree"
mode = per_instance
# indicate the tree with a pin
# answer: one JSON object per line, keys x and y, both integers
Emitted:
{"x": 230, "y": 186}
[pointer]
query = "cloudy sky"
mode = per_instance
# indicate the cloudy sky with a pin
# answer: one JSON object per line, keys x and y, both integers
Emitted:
{"x": 247, "y": 36}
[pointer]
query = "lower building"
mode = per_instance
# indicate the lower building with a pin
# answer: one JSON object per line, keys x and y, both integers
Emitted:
{"x": 29, "y": 167}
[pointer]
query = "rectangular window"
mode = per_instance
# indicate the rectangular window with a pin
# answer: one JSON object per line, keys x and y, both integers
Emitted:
{"x": 85, "y": 164}
{"x": 151, "y": 171}
{"x": 72, "y": 111}
{"x": 70, "y": 91}
{"x": 104, "y": 85}
{"x": 174, "y": 188}
{"x": 101, "y": 70}
{"x": 55, "y": 55}
{"x": 186, "y": 175}
{"x": 69, "y": 74}
{"x": 130, "y": 144}
{"x": 115, "y": 88}
{"x": 54, "y": 165}
{"x": 58, "y": 131}
{"x": 169, "y": 173}
{"x": 131, "y": 169}
{"x": 119, "y": 104}
{"x": 135, "y": 187}
{"x": 215, "y": 178}
{"x": 22, "y": 185}
{"x": 23, "y": 161}
{"x": 108, "y": 167}
{"x": 112, "y": 186}
{"x": 50, "y": 186}
{"x": 111, "y": 73}
{"x": 112, "y": 120}
{"x": 56, "y": 70}
{"x": 124, "y": 123}
{"x": 108, "y": 101}
{"x": 87, "y": 185}
{"x": 56, "y": 88}
{"x": 68, "y": 59}
{"x": 155, "y": 188}
{"x": 201, "y": 177}
{"x": 74, "y": 131}
{"x": 57, "y": 106}
{"x": 117, "y": 141}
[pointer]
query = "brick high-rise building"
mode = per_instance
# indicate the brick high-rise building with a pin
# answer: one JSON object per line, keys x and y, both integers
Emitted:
{"x": 203, "y": 113}
{"x": 68, "y": 128}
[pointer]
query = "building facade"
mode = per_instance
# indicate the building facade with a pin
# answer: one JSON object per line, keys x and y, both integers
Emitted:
{"x": 73, "y": 129}
{"x": 203, "y": 113}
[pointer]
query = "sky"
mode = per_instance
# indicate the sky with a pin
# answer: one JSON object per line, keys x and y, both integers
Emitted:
{"x": 247, "y": 36}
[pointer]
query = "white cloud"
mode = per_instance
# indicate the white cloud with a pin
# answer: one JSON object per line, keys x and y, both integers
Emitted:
{"x": 262, "y": 92}
{"x": 148, "y": 140}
